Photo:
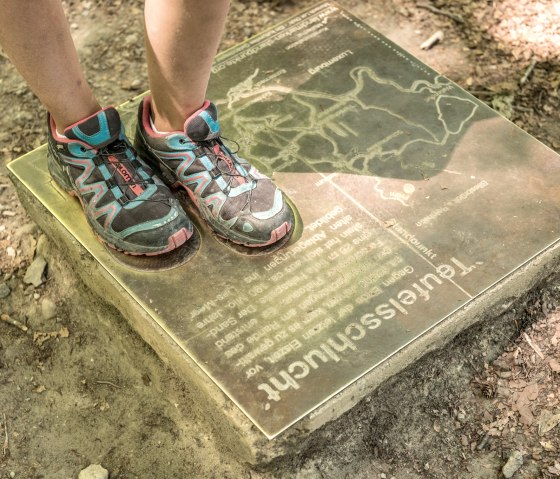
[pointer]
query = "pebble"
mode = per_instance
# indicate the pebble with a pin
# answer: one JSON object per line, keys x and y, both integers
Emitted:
{"x": 27, "y": 229}
{"x": 11, "y": 252}
{"x": 48, "y": 308}
{"x": 43, "y": 246}
{"x": 4, "y": 290}
{"x": 12, "y": 474}
{"x": 131, "y": 40}
{"x": 94, "y": 471}
{"x": 513, "y": 464}
{"x": 34, "y": 274}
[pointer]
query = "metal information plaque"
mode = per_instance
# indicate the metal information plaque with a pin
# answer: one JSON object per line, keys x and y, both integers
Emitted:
{"x": 414, "y": 198}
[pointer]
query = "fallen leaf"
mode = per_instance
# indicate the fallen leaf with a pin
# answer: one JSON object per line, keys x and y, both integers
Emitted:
{"x": 517, "y": 384}
{"x": 390, "y": 223}
{"x": 548, "y": 446}
{"x": 547, "y": 421}
{"x": 554, "y": 471}
{"x": 532, "y": 391}
{"x": 41, "y": 338}
{"x": 526, "y": 415}
{"x": 554, "y": 365}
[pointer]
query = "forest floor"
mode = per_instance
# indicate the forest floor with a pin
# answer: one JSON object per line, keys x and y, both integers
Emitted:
{"x": 80, "y": 387}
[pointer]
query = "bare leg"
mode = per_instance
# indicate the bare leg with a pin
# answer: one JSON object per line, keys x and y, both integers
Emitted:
{"x": 182, "y": 38}
{"x": 36, "y": 37}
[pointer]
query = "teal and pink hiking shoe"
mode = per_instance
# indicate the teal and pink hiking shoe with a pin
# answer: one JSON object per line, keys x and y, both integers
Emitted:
{"x": 239, "y": 203}
{"x": 128, "y": 208}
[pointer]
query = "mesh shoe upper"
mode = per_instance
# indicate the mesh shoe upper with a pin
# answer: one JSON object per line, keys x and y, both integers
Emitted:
{"x": 240, "y": 203}
{"x": 128, "y": 207}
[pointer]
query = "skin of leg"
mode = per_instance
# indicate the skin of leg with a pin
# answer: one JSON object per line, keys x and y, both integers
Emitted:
{"x": 36, "y": 37}
{"x": 182, "y": 38}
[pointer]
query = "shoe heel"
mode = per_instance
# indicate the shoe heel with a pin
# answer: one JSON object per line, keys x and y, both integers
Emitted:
{"x": 57, "y": 173}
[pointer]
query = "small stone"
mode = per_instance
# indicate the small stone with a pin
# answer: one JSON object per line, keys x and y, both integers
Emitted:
{"x": 43, "y": 247}
{"x": 11, "y": 252}
{"x": 513, "y": 464}
{"x": 12, "y": 474}
{"x": 48, "y": 308}
{"x": 34, "y": 274}
{"x": 36, "y": 295}
{"x": 4, "y": 290}
{"x": 27, "y": 229}
{"x": 131, "y": 40}
{"x": 94, "y": 471}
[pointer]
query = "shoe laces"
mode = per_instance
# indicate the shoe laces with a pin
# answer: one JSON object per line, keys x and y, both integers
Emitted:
{"x": 220, "y": 154}
{"x": 115, "y": 154}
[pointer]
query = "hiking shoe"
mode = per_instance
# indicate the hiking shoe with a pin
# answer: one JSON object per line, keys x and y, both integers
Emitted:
{"x": 128, "y": 208}
{"x": 238, "y": 202}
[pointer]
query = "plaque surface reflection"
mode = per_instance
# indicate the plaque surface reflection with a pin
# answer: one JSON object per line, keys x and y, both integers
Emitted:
{"x": 414, "y": 199}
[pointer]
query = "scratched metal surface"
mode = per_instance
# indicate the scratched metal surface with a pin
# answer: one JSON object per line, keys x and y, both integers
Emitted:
{"x": 414, "y": 199}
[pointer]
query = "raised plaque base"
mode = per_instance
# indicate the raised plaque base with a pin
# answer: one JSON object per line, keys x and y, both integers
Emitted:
{"x": 421, "y": 211}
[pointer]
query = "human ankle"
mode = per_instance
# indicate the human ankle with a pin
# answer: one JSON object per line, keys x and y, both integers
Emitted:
{"x": 165, "y": 122}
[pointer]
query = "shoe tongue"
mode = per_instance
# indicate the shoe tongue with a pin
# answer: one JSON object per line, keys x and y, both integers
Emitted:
{"x": 203, "y": 124}
{"x": 98, "y": 130}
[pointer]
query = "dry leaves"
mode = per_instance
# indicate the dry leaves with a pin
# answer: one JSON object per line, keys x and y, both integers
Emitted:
{"x": 525, "y": 413}
{"x": 40, "y": 338}
{"x": 547, "y": 421}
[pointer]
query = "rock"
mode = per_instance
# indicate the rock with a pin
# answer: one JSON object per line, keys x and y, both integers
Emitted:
{"x": 43, "y": 247}
{"x": 131, "y": 40}
{"x": 48, "y": 308}
{"x": 34, "y": 274}
{"x": 4, "y": 290}
{"x": 11, "y": 252}
{"x": 94, "y": 471}
{"x": 25, "y": 230}
{"x": 513, "y": 464}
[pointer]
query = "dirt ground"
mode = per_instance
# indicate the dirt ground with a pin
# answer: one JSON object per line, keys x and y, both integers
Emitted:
{"x": 79, "y": 387}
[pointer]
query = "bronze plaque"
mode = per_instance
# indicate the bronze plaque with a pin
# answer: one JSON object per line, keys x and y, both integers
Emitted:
{"x": 413, "y": 196}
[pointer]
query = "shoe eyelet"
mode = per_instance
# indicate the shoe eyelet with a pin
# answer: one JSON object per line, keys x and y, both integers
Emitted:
{"x": 82, "y": 149}
{"x": 182, "y": 141}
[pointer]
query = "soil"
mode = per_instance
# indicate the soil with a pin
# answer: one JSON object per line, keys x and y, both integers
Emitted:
{"x": 79, "y": 387}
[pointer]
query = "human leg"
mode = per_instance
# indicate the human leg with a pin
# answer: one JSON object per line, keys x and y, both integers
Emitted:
{"x": 179, "y": 133}
{"x": 36, "y": 38}
{"x": 182, "y": 38}
{"x": 126, "y": 207}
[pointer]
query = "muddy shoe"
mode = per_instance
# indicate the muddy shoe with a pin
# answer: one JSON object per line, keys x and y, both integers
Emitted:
{"x": 238, "y": 202}
{"x": 128, "y": 208}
